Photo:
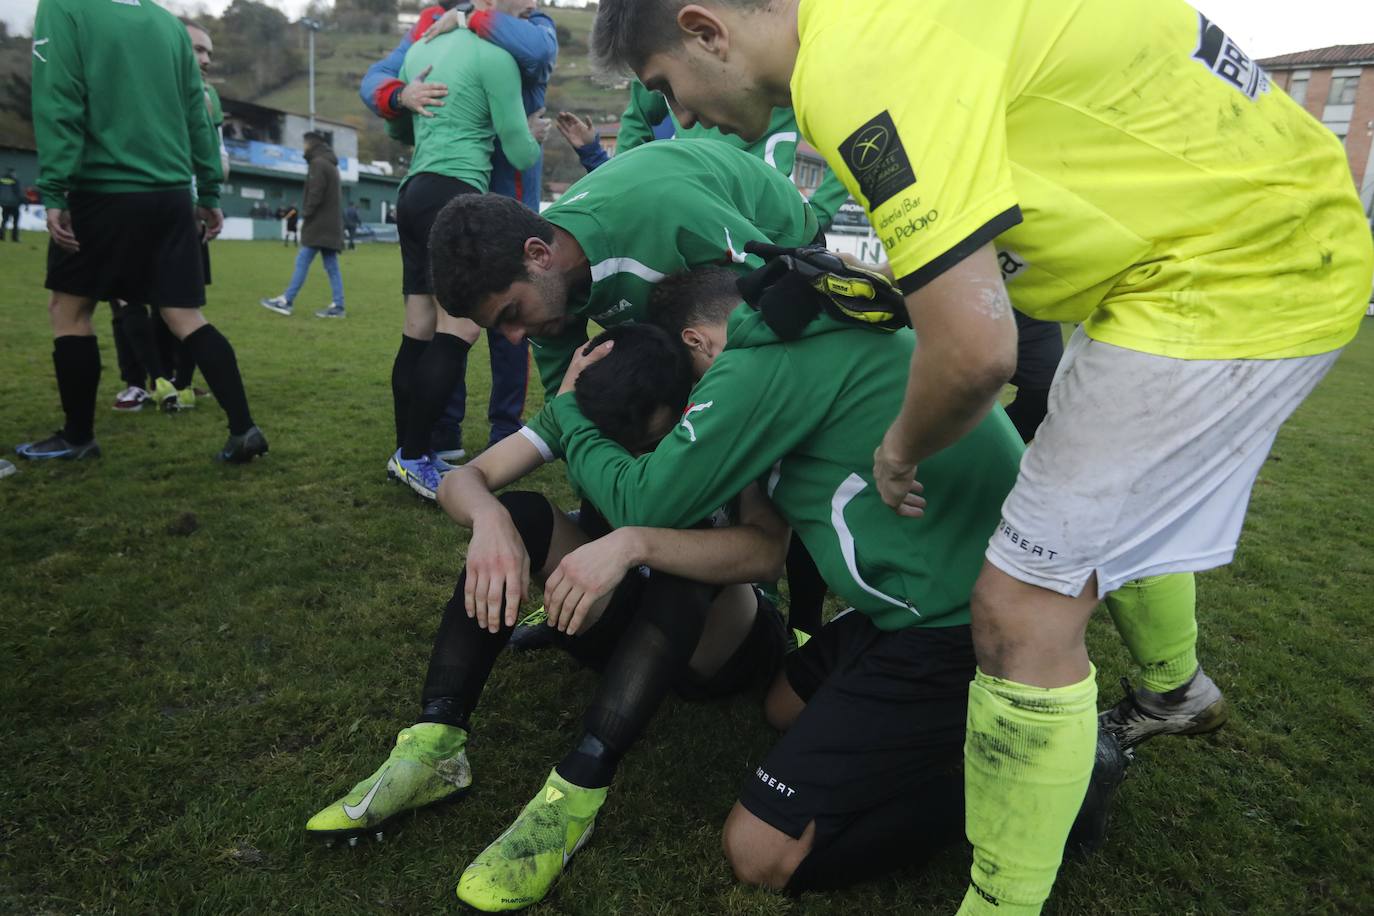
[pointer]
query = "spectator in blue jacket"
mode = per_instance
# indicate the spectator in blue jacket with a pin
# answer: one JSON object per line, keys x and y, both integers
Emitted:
{"x": 518, "y": 27}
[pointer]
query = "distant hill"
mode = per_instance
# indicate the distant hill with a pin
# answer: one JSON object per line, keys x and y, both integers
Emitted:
{"x": 341, "y": 59}
{"x": 261, "y": 57}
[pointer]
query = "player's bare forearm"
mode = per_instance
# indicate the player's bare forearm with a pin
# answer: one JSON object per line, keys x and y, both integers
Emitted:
{"x": 966, "y": 351}
{"x": 465, "y": 495}
{"x": 468, "y": 493}
{"x": 717, "y": 556}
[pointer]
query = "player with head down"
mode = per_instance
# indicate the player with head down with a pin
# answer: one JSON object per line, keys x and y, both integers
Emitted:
{"x": 653, "y": 610}
{"x": 868, "y": 773}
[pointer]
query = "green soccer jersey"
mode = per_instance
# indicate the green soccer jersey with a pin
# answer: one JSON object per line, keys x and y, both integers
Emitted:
{"x": 777, "y": 146}
{"x": 118, "y": 103}
{"x": 804, "y": 417}
{"x": 660, "y": 209}
{"x": 212, "y": 103}
{"x": 459, "y": 140}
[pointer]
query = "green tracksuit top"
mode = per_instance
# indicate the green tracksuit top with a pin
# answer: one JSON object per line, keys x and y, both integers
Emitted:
{"x": 118, "y": 102}
{"x": 659, "y": 209}
{"x": 777, "y": 146}
{"x": 803, "y": 418}
{"x": 459, "y": 140}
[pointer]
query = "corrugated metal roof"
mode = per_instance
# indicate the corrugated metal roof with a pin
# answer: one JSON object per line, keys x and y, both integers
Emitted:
{"x": 1334, "y": 56}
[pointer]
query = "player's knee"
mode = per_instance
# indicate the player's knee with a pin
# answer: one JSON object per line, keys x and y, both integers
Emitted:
{"x": 754, "y": 863}
{"x": 782, "y": 705}
{"x": 994, "y": 632}
{"x": 182, "y": 322}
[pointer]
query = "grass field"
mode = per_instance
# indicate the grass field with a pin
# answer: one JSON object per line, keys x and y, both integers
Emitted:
{"x": 195, "y": 658}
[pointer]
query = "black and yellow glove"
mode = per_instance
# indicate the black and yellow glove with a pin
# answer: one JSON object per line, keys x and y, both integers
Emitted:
{"x": 797, "y": 284}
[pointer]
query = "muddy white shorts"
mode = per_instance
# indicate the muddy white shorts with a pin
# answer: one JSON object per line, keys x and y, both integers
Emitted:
{"x": 1143, "y": 465}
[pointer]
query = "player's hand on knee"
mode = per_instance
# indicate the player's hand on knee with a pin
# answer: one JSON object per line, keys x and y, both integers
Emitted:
{"x": 583, "y": 357}
{"x": 498, "y": 574}
{"x": 896, "y": 480}
{"x": 573, "y": 593}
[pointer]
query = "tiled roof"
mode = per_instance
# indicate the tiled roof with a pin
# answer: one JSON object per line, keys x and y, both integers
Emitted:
{"x": 1334, "y": 56}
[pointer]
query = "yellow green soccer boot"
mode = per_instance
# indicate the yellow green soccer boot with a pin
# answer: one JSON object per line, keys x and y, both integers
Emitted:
{"x": 525, "y": 861}
{"x": 427, "y": 765}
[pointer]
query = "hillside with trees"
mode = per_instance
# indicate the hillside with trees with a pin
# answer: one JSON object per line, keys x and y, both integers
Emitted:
{"x": 261, "y": 56}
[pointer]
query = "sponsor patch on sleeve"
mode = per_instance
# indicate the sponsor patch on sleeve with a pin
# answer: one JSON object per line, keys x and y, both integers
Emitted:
{"x": 876, "y": 157}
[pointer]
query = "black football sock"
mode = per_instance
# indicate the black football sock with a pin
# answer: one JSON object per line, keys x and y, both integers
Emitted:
{"x": 142, "y": 337}
{"x": 651, "y": 655}
{"x": 437, "y": 371}
{"x": 402, "y": 371}
{"x": 176, "y": 354}
{"x": 215, "y": 356}
{"x": 463, "y": 651}
{"x": 77, "y": 362}
{"x": 130, "y": 372}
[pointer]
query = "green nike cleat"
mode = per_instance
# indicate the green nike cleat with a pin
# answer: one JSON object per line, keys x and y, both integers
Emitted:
{"x": 525, "y": 861}
{"x": 427, "y": 765}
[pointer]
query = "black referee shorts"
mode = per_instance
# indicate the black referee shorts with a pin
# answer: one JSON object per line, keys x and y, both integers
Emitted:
{"x": 420, "y": 200}
{"x": 141, "y": 246}
{"x": 884, "y": 720}
{"x": 1039, "y": 348}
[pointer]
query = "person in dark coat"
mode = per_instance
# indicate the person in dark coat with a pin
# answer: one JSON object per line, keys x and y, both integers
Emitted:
{"x": 351, "y": 223}
{"x": 323, "y": 229}
{"x": 11, "y": 196}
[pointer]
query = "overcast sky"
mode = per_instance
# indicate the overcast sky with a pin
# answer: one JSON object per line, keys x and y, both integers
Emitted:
{"x": 1263, "y": 27}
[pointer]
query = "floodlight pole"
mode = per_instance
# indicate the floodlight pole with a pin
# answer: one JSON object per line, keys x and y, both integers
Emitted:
{"x": 313, "y": 26}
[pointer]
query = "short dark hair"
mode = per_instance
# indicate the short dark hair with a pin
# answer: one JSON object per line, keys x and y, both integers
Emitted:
{"x": 645, "y": 371}
{"x": 626, "y": 32}
{"x": 704, "y": 295}
{"x": 477, "y": 247}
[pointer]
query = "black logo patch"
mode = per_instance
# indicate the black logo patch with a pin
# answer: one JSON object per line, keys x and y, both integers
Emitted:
{"x": 874, "y": 153}
{"x": 1219, "y": 53}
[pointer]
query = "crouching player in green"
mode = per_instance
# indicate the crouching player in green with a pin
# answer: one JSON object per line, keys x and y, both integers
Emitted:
{"x": 646, "y": 607}
{"x": 868, "y": 774}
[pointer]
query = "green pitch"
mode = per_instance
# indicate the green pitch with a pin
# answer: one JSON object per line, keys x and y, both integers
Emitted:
{"x": 195, "y": 658}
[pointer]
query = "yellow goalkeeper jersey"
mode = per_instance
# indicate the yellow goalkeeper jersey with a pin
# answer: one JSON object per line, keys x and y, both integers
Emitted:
{"x": 1136, "y": 171}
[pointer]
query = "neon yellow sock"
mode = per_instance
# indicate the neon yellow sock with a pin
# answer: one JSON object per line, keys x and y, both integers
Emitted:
{"x": 1027, "y": 759}
{"x": 1157, "y": 619}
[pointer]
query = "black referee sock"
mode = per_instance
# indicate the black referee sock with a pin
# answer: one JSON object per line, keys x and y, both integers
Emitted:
{"x": 141, "y": 333}
{"x": 215, "y": 357}
{"x": 77, "y": 363}
{"x": 437, "y": 373}
{"x": 402, "y": 374}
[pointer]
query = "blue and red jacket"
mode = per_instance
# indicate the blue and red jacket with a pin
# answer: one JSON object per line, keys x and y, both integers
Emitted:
{"x": 533, "y": 42}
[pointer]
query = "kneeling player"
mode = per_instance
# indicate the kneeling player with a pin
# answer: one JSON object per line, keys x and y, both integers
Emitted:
{"x": 869, "y": 771}
{"x": 650, "y": 624}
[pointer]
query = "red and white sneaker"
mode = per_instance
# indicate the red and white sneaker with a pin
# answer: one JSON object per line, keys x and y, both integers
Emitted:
{"x": 131, "y": 399}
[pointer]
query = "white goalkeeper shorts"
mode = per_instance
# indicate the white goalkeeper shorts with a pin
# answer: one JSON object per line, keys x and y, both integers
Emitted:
{"x": 1143, "y": 465}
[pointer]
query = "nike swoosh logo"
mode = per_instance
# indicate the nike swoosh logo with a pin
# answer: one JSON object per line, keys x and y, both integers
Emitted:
{"x": 356, "y": 812}
{"x": 581, "y": 841}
